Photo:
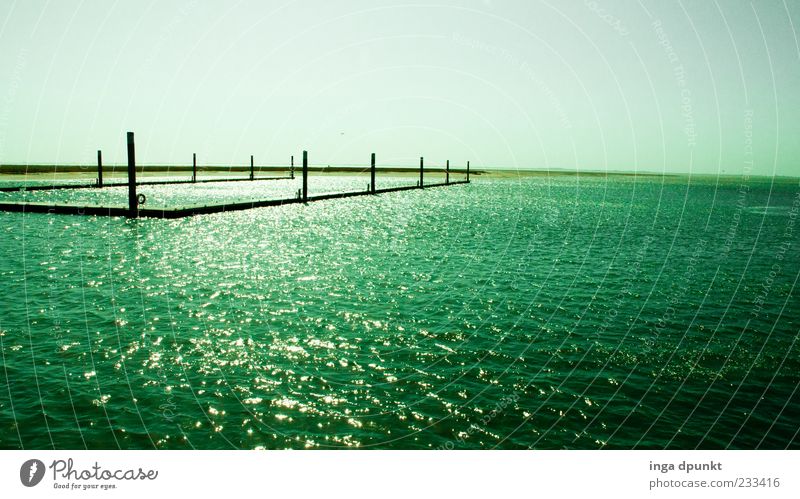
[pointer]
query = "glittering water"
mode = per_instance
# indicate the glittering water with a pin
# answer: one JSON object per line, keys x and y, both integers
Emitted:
{"x": 545, "y": 312}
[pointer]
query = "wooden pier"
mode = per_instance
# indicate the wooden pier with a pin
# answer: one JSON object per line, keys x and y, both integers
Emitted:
{"x": 188, "y": 211}
{"x": 135, "y": 208}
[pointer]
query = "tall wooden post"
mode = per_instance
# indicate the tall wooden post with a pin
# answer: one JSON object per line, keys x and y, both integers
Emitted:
{"x": 194, "y": 167}
{"x": 447, "y": 173}
{"x": 305, "y": 176}
{"x": 420, "y": 171}
{"x": 372, "y": 174}
{"x": 467, "y": 171}
{"x": 133, "y": 201}
{"x": 99, "y": 168}
{"x": 251, "y": 167}
{"x": 291, "y": 172}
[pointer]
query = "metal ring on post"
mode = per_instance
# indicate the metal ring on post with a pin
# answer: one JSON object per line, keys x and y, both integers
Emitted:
{"x": 141, "y": 198}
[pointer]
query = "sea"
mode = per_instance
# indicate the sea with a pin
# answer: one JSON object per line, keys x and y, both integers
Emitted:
{"x": 551, "y": 311}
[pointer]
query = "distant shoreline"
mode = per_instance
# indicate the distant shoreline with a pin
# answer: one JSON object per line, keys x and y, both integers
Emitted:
{"x": 20, "y": 172}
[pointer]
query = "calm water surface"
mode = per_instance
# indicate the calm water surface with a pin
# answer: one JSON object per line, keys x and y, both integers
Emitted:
{"x": 556, "y": 312}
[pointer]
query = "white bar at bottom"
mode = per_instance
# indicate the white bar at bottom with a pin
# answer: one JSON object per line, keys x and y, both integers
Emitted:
{"x": 331, "y": 474}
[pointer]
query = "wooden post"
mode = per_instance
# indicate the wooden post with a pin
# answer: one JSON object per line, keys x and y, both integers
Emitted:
{"x": 194, "y": 167}
{"x": 133, "y": 201}
{"x": 447, "y": 173}
{"x": 467, "y": 171}
{"x": 305, "y": 176}
{"x": 372, "y": 174}
{"x": 292, "y": 170}
{"x": 99, "y": 168}
{"x": 251, "y": 167}
{"x": 420, "y": 170}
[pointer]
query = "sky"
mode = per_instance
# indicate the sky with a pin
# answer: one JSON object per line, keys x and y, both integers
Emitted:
{"x": 635, "y": 85}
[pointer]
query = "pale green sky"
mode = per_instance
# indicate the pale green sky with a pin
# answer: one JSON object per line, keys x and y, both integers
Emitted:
{"x": 700, "y": 86}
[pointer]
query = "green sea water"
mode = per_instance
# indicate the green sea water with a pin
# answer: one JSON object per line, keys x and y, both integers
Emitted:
{"x": 540, "y": 312}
